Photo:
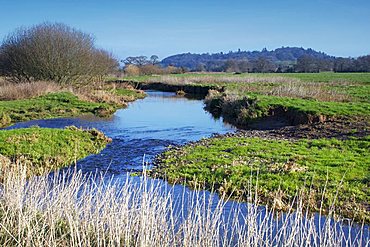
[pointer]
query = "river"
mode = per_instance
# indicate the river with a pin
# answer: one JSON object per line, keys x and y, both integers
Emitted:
{"x": 143, "y": 130}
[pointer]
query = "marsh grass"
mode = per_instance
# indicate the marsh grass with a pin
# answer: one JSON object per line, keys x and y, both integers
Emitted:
{"x": 269, "y": 85}
{"x": 219, "y": 79}
{"x": 36, "y": 100}
{"x": 311, "y": 90}
{"x": 72, "y": 209}
{"x": 14, "y": 91}
{"x": 112, "y": 93}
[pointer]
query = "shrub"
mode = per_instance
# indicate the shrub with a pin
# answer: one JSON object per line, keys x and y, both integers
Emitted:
{"x": 53, "y": 52}
{"x": 132, "y": 70}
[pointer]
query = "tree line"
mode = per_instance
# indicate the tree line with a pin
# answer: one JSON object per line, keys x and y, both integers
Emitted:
{"x": 142, "y": 65}
{"x": 57, "y": 52}
{"x": 284, "y": 59}
{"x": 304, "y": 64}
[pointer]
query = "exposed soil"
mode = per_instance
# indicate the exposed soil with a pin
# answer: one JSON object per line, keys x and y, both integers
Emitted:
{"x": 201, "y": 90}
{"x": 340, "y": 128}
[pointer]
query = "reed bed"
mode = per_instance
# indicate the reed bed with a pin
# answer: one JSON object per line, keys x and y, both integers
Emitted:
{"x": 310, "y": 90}
{"x": 270, "y": 85}
{"x": 207, "y": 79}
{"x": 14, "y": 91}
{"x": 73, "y": 209}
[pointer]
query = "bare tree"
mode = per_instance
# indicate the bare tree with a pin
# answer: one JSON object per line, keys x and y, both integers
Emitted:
{"x": 138, "y": 61}
{"x": 53, "y": 52}
{"x": 154, "y": 59}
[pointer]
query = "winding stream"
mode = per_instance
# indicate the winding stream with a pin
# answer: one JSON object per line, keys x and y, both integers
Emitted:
{"x": 143, "y": 130}
{"x": 146, "y": 127}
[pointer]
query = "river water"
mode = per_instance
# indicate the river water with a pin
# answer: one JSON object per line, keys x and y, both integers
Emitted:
{"x": 145, "y": 128}
{"x": 142, "y": 131}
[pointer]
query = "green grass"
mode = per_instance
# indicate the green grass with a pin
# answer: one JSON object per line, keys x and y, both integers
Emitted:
{"x": 49, "y": 106}
{"x": 229, "y": 164}
{"x": 329, "y": 77}
{"x": 129, "y": 93}
{"x": 44, "y": 149}
{"x": 313, "y": 107}
{"x": 340, "y": 94}
{"x": 308, "y": 77}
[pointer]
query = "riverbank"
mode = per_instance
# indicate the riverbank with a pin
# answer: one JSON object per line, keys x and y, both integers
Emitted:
{"x": 100, "y": 100}
{"x": 48, "y": 149}
{"x": 141, "y": 129}
{"x": 42, "y": 150}
{"x": 329, "y": 174}
{"x": 298, "y": 98}
{"x": 313, "y": 136}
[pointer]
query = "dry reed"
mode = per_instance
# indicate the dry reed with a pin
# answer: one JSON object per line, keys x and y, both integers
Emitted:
{"x": 208, "y": 79}
{"x": 72, "y": 209}
{"x": 14, "y": 91}
{"x": 269, "y": 85}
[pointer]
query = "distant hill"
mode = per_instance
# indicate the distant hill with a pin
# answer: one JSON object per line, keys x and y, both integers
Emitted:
{"x": 283, "y": 55}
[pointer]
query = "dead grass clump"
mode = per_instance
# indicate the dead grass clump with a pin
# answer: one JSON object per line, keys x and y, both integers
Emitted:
{"x": 14, "y": 91}
{"x": 103, "y": 93}
{"x": 102, "y": 96}
{"x": 5, "y": 165}
{"x": 309, "y": 90}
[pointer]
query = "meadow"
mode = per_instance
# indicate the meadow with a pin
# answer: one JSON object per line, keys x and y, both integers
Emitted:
{"x": 333, "y": 173}
{"x": 333, "y": 168}
{"x": 297, "y": 175}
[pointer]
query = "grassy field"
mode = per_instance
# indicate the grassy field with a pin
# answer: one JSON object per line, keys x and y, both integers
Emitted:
{"x": 329, "y": 94}
{"x": 43, "y": 149}
{"x": 332, "y": 172}
{"x": 283, "y": 167}
{"x": 307, "y": 77}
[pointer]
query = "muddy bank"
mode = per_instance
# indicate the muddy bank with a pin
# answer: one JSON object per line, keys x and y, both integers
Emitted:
{"x": 201, "y": 90}
{"x": 340, "y": 128}
{"x": 249, "y": 113}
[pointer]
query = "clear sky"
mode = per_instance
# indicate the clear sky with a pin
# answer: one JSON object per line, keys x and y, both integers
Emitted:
{"x": 138, "y": 27}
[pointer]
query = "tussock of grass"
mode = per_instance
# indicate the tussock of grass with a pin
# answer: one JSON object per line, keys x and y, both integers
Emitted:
{"x": 112, "y": 93}
{"x": 282, "y": 168}
{"x": 88, "y": 210}
{"x": 44, "y": 149}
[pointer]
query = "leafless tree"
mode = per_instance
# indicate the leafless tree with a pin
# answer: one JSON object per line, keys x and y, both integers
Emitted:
{"x": 53, "y": 52}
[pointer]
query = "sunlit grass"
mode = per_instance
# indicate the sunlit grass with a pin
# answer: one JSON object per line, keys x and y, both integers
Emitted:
{"x": 326, "y": 165}
{"x": 71, "y": 209}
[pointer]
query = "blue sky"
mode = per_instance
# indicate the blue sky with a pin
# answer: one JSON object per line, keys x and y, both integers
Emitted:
{"x": 129, "y": 28}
